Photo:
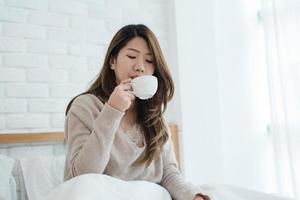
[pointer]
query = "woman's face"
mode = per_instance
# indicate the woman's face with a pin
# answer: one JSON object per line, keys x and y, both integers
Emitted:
{"x": 134, "y": 59}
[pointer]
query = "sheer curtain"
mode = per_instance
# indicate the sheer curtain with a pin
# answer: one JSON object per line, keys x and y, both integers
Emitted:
{"x": 281, "y": 20}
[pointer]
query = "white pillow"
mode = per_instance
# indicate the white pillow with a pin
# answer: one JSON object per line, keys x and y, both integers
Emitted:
{"x": 8, "y": 188}
{"x": 42, "y": 174}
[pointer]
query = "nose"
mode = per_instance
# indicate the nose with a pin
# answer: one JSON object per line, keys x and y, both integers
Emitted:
{"x": 140, "y": 66}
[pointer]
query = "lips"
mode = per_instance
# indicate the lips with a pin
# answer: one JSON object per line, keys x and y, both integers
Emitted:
{"x": 134, "y": 76}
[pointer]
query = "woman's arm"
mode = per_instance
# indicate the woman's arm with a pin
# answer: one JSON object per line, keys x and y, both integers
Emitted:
{"x": 173, "y": 180}
{"x": 90, "y": 134}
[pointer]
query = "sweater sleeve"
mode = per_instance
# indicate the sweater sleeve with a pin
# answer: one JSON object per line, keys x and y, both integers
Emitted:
{"x": 89, "y": 136}
{"x": 172, "y": 179}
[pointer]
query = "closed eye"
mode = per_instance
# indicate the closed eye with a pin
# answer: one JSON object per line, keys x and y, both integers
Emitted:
{"x": 149, "y": 61}
{"x": 131, "y": 57}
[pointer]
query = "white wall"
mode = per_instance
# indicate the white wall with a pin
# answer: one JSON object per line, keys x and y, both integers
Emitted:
{"x": 50, "y": 50}
{"x": 198, "y": 78}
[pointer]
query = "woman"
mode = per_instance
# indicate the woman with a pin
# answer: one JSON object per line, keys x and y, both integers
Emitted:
{"x": 110, "y": 131}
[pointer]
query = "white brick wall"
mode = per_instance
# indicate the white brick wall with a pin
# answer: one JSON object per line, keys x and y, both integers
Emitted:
{"x": 12, "y": 44}
{"x": 47, "y": 106}
{"x": 13, "y": 14}
{"x": 20, "y": 121}
{"x": 13, "y": 105}
{"x": 1, "y": 91}
{"x": 94, "y": 63}
{"x": 57, "y": 120}
{"x": 32, "y": 4}
{"x": 26, "y": 90}
{"x": 2, "y": 125}
{"x": 61, "y": 91}
{"x": 48, "y": 19}
{"x": 24, "y": 31}
{"x": 68, "y": 62}
{"x": 66, "y": 35}
{"x": 69, "y": 7}
{"x": 51, "y": 50}
{"x": 12, "y": 75}
{"x": 25, "y": 60}
{"x": 47, "y": 75}
{"x": 46, "y": 47}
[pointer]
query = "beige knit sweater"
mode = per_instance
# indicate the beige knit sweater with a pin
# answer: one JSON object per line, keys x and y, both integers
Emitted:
{"x": 96, "y": 144}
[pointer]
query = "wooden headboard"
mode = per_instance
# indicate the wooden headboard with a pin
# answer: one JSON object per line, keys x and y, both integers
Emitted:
{"x": 46, "y": 137}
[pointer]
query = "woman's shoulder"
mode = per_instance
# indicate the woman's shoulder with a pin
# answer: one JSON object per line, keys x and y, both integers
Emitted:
{"x": 88, "y": 102}
{"x": 87, "y": 99}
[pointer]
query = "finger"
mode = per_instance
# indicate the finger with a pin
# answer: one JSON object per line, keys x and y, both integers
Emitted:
{"x": 124, "y": 87}
{"x": 126, "y": 81}
{"x": 130, "y": 95}
{"x": 129, "y": 82}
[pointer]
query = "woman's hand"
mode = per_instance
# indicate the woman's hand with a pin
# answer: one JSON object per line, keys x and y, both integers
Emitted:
{"x": 198, "y": 197}
{"x": 201, "y": 197}
{"x": 122, "y": 96}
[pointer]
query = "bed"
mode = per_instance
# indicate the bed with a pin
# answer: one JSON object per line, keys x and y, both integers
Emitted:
{"x": 28, "y": 171}
{"x": 30, "y": 176}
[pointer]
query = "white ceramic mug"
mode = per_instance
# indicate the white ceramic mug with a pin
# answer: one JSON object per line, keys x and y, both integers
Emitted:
{"x": 144, "y": 87}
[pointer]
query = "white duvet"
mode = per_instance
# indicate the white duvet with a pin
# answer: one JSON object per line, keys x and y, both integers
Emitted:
{"x": 43, "y": 178}
{"x": 103, "y": 187}
{"x": 97, "y": 187}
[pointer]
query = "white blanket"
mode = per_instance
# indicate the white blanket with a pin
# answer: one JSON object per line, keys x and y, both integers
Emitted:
{"x": 228, "y": 192}
{"x": 98, "y": 187}
{"x": 44, "y": 176}
{"x": 103, "y": 187}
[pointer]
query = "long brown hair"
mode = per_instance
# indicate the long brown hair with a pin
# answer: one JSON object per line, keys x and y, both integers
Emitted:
{"x": 149, "y": 112}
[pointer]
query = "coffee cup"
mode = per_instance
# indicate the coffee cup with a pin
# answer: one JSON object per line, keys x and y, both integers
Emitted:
{"x": 144, "y": 87}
